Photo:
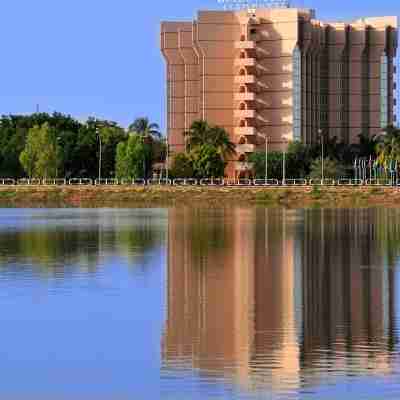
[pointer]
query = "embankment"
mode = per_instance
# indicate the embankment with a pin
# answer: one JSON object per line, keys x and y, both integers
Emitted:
{"x": 151, "y": 196}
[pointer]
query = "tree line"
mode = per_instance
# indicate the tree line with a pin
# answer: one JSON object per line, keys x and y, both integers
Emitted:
{"x": 209, "y": 148}
{"x": 55, "y": 145}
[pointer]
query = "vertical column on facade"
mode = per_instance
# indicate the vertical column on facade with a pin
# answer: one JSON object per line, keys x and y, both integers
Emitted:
{"x": 315, "y": 55}
{"x": 201, "y": 71}
{"x": 336, "y": 46}
{"x": 366, "y": 74}
{"x": 377, "y": 53}
{"x": 356, "y": 50}
{"x": 176, "y": 84}
{"x": 345, "y": 89}
{"x": 324, "y": 81}
{"x": 191, "y": 76}
{"x": 317, "y": 92}
{"x": 391, "y": 45}
{"x": 217, "y": 33}
{"x": 306, "y": 73}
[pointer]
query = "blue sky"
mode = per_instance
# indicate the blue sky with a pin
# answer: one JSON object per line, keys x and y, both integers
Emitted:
{"x": 85, "y": 57}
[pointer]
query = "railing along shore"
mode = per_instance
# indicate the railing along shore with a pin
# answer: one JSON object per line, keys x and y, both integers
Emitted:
{"x": 204, "y": 182}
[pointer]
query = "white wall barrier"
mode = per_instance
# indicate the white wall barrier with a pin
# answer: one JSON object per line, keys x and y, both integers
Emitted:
{"x": 26, "y": 181}
{"x": 265, "y": 182}
{"x": 80, "y": 181}
{"x": 296, "y": 182}
{"x": 212, "y": 182}
{"x": 378, "y": 182}
{"x": 54, "y": 182}
{"x": 7, "y": 181}
{"x": 106, "y": 181}
{"x": 159, "y": 182}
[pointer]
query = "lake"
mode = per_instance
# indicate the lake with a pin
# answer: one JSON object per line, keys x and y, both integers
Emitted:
{"x": 199, "y": 303}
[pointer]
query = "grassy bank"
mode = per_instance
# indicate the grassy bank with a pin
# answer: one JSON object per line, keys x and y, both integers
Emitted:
{"x": 129, "y": 196}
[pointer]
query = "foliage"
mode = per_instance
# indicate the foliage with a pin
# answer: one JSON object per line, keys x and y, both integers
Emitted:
{"x": 388, "y": 147}
{"x": 79, "y": 146}
{"x": 208, "y": 162}
{"x": 131, "y": 158}
{"x": 201, "y": 133}
{"x": 144, "y": 127}
{"x": 182, "y": 166}
{"x": 332, "y": 169}
{"x": 298, "y": 161}
{"x": 209, "y": 149}
{"x": 40, "y": 157}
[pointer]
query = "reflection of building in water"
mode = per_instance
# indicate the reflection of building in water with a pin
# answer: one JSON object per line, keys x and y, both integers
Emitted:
{"x": 263, "y": 296}
{"x": 348, "y": 289}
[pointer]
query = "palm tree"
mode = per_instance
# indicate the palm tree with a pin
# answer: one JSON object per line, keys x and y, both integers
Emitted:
{"x": 197, "y": 134}
{"x": 220, "y": 139}
{"x": 143, "y": 127}
{"x": 201, "y": 133}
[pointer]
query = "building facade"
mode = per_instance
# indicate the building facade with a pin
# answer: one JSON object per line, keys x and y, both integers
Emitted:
{"x": 281, "y": 74}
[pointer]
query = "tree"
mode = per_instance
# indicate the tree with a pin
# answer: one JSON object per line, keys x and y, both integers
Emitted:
{"x": 40, "y": 158}
{"x": 208, "y": 162}
{"x": 388, "y": 147}
{"x": 131, "y": 156}
{"x": 182, "y": 166}
{"x": 201, "y": 133}
{"x": 144, "y": 127}
{"x": 332, "y": 169}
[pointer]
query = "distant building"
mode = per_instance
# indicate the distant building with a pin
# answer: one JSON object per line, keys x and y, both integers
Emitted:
{"x": 280, "y": 73}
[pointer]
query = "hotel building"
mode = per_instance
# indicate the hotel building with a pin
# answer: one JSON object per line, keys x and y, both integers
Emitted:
{"x": 281, "y": 74}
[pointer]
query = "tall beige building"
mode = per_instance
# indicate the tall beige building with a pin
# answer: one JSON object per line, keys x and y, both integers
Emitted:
{"x": 278, "y": 73}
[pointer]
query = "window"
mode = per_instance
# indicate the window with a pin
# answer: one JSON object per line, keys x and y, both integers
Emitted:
{"x": 297, "y": 94}
{"x": 384, "y": 83}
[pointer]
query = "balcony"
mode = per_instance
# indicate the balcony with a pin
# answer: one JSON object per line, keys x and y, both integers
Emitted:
{"x": 245, "y": 62}
{"x": 245, "y": 45}
{"x": 245, "y": 148}
{"x": 245, "y": 131}
{"x": 246, "y": 96}
{"x": 243, "y": 166}
{"x": 244, "y": 114}
{"x": 243, "y": 79}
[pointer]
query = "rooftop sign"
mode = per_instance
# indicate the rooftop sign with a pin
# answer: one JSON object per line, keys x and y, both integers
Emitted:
{"x": 252, "y": 4}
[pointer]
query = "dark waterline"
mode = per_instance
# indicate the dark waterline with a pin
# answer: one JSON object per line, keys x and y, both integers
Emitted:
{"x": 228, "y": 303}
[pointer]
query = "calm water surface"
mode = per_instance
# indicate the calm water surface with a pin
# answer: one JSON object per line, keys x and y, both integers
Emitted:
{"x": 185, "y": 303}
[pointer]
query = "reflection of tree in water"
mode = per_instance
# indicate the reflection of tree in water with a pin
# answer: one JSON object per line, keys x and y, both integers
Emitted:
{"x": 57, "y": 250}
{"x": 206, "y": 229}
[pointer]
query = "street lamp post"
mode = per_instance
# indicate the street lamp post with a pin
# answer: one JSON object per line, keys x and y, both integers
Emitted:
{"x": 266, "y": 158}
{"x": 167, "y": 159}
{"x": 100, "y": 148}
{"x": 286, "y": 138}
{"x": 322, "y": 155}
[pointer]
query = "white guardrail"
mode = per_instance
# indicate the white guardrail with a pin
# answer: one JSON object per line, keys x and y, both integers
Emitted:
{"x": 244, "y": 182}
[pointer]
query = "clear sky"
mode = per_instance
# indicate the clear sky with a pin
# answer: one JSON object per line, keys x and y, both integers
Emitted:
{"x": 84, "y": 57}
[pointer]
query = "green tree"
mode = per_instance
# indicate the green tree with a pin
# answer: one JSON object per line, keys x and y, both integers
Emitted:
{"x": 144, "y": 127}
{"x": 40, "y": 158}
{"x": 208, "y": 162}
{"x": 332, "y": 169}
{"x": 201, "y": 133}
{"x": 182, "y": 166}
{"x": 388, "y": 147}
{"x": 131, "y": 156}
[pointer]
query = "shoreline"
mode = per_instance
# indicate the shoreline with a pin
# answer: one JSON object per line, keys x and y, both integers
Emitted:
{"x": 151, "y": 196}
